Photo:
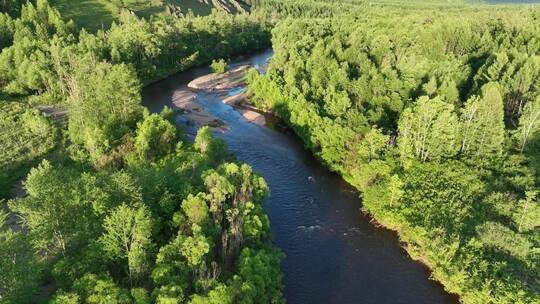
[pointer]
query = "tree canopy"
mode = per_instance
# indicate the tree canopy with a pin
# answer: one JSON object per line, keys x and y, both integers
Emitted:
{"x": 431, "y": 110}
{"x": 115, "y": 205}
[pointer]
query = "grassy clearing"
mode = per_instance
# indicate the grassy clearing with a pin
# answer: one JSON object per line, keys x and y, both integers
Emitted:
{"x": 26, "y": 136}
{"x": 90, "y": 14}
{"x": 97, "y": 14}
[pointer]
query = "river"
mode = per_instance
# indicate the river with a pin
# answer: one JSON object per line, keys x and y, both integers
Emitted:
{"x": 333, "y": 253}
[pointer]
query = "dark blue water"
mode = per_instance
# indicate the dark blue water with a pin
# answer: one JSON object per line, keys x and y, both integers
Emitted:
{"x": 334, "y": 255}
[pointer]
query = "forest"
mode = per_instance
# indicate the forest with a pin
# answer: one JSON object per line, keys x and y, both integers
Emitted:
{"x": 433, "y": 114}
{"x": 105, "y": 202}
{"x": 430, "y": 109}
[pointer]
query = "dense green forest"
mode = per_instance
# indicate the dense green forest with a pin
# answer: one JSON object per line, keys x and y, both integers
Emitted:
{"x": 115, "y": 205}
{"x": 433, "y": 113}
{"x": 431, "y": 109}
{"x": 44, "y": 60}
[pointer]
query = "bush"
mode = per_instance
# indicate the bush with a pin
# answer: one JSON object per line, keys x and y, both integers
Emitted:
{"x": 155, "y": 138}
{"x": 218, "y": 66}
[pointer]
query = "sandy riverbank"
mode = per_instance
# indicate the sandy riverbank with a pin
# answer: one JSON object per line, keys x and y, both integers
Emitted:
{"x": 184, "y": 99}
{"x": 241, "y": 103}
{"x": 220, "y": 84}
{"x": 231, "y": 79}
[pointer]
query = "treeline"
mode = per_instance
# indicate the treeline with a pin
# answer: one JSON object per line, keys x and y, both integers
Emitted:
{"x": 277, "y": 9}
{"x": 434, "y": 115}
{"x": 125, "y": 210}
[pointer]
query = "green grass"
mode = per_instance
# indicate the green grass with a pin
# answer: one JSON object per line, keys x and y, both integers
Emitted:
{"x": 90, "y": 14}
{"x": 98, "y": 14}
{"x": 193, "y": 5}
{"x": 26, "y": 137}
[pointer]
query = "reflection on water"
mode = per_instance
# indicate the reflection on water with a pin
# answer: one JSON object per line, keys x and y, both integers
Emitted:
{"x": 334, "y": 255}
{"x": 236, "y": 91}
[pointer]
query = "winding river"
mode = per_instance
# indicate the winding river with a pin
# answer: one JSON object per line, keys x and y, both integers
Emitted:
{"x": 333, "y": 253}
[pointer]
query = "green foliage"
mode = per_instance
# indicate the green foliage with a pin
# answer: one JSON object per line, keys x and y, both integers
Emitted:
{"x": 94, "y": 15}
{"x": 428, "y": 130}
{"x": 155, "y": 137}
{"x": 438, "y": 196}
{"x": 208, "y": 146}
{"x": 7, "y": 27}
{"x": 12, "y": 7}
{"x": 122, "y": 212}
{"x": 500, "y": 236}
{"x": 128, "y": 236}
{"x": 27, "y": 66}
{"x": 140, "y": 296}
{"x": 65, "y": 298}
{"x": 105, "y": 105}
{"x": 414, "y": 105}
{"x": 196, "y": 209}
{"x": 528, "y": 216}
{"x": 482, "y": 124}
{"x": 21, "y": 270}
{"x": 26, "y": 136}
{"x": 117, "y": 228}
{"x": 529, "y": 123}
{"x": 55, "y": 193}
{"x": 218, "y": 66}
{"x": 373, "y": 145}
{"x": 219, "y": 295}
{"x": 255, "y": 283}
{"x": 100, "y": 289}
{"x": 46, "y": 56}
{"x": 193, "y": 249}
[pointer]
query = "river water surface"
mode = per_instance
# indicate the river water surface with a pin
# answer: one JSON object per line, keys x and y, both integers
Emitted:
{"x": 333, "y": 253}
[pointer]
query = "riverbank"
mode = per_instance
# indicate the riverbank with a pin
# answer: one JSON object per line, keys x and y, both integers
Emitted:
{"x": 459, "y": 212}
{"x": 406, "y": 240}
{"x": 221, "y": 85}
{"x": 234, "y": 79}
{"x": 333, "y": 254}
{"x": 228, "y": 87}
{"x": 381, "y": 222}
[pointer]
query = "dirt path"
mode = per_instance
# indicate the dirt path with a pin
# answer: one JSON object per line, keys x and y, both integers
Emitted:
{"x": 53, "y": 112}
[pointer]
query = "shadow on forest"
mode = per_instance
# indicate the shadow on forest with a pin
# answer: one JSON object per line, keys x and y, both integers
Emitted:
{"x": 533, "y": 156}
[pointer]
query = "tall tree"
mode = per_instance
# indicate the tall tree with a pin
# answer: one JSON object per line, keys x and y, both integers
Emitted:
{"x": 155, "y": 137}
{"x": 529, "y": 216}
{"x": 20, "y": 270}
{"x": 428, "y": 130}
{"x": 48, "y": 210}
{"x": 373, "y": 145}
{"x": 482, "y": 124}
{"x": 127, "y": 236}
{"x": 105, "y": 105}
{"x": 529, "y": 123}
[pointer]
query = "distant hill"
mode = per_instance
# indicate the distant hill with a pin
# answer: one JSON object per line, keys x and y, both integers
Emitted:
{"x": 96, "y": 14}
